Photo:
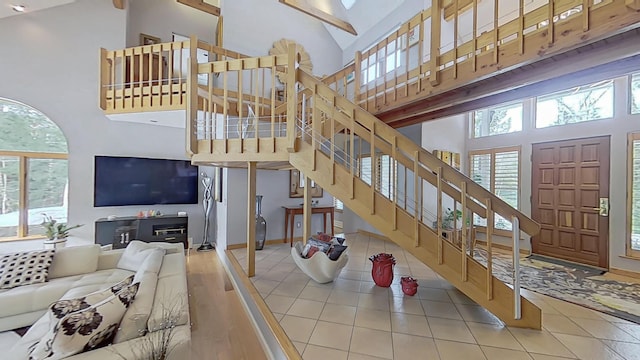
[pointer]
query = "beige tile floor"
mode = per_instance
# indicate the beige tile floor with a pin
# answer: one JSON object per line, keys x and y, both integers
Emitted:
{"x": 354, "y": 319}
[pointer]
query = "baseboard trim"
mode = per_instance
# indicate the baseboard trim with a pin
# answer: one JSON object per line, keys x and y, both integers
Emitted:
{"x": 628, "y": 273}
{"x": 268, "y": 242}
{"x": 373, "y": 235}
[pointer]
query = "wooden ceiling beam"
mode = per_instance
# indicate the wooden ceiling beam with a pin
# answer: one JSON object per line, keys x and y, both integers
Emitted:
{"x": 303, "y": 6}
{"x": 119, "y": 4}
{"x": 588, "y": 76}
{"x": 202, "y": 6}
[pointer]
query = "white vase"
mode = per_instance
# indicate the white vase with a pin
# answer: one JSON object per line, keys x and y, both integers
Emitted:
{"x": 55, "y": 243}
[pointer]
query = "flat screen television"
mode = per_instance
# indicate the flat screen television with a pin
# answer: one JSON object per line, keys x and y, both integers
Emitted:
{"x": 120, "y": 181}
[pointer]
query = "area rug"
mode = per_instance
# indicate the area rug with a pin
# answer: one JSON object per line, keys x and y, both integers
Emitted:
{"x": 576, "y": 284}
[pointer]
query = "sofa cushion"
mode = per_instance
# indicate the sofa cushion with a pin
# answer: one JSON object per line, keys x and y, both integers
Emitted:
{"x": 29, "y": 298}
{"x": 171, "y": 297}
{"x": 134, "y": 321}
{"x": 74, "y": 260}
{"x": 173, "y": 264}
{"x": 86, "y": 329}
{"x": 62, "y": 307}
{"x": 24, "y": 268}
{"x": 152, "y": 263}
{"x": 135, "y": 254}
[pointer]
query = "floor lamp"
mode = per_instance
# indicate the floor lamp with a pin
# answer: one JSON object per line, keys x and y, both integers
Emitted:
{"x": 207, "y": 204}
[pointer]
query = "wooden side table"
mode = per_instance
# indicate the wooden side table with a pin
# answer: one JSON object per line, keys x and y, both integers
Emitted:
{"x": 292, "y": 211}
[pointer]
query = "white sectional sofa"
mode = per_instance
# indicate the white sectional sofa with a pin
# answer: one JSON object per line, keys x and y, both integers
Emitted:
{"x": 78, "y": 271}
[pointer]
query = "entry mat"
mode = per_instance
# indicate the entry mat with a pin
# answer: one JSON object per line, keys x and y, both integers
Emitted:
{"x": 581, "y": 285}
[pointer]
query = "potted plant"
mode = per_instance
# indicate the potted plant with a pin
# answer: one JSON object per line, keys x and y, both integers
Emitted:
{"x": 56, "y": 232}
{"x": 451, "y": 216}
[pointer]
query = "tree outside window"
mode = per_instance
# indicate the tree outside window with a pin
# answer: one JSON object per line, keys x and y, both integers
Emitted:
{"x": 584, "y": 103}
{"x": 33, "y": 170}
{"x": 635, "y": 93}
{"x": 502, "y": 119}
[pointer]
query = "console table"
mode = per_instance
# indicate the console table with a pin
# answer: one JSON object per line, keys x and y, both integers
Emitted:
{"x": 121, "y": 230}
{"x": 292, "y": 211}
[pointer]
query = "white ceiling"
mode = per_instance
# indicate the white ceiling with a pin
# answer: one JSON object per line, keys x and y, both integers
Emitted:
{"x": 6, "y": 9}
{"x": 363, "y": 15}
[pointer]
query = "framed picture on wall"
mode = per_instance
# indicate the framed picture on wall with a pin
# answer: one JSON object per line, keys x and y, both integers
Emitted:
{"x": 149, "y": 40}
{"x": 296, "y": 185}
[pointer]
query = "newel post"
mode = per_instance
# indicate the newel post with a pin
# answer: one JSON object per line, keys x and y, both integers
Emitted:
{"x": 292, "y": 98}
{"x": 192, "y": 97}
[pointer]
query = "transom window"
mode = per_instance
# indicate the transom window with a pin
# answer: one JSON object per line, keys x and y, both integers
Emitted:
{"x": 497, "y": 170}
{"x": 497, "y": 120}
{"x": 33, "y": 171}
{"x": 584, "y": 103}
{"x": 635, "y": 93}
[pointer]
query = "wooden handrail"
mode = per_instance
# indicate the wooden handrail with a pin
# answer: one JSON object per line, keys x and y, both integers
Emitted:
{"x": 362, "y": 124}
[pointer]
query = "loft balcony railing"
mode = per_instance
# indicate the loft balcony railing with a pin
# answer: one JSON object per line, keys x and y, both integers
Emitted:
{"x": 426, "y": 56}
{"x": 441, "y": 49}
{"x": 153, "y": 77}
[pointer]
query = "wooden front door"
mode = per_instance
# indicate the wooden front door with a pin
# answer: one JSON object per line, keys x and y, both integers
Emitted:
{"x": 570, "y": 182}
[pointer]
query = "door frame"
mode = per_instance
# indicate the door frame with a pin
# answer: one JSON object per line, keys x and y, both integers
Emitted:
{"x": 604, "y": 242}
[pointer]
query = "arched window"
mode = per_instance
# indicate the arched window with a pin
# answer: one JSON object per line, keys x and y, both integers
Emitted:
{"x": 33, "y": 171}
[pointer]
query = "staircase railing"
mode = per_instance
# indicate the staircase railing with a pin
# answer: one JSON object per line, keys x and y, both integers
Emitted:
{"x": 430, "y": 54}
{"x": 345, "y": 135}
{"x": 240, "y": 109}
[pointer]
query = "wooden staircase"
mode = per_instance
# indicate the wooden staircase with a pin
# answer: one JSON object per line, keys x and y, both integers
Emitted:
{"x": 327, "y": 151}
{"x": 325, "y": 128}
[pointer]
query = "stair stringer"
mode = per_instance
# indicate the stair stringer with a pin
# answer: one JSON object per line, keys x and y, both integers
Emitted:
{"x": 356, "y": 195}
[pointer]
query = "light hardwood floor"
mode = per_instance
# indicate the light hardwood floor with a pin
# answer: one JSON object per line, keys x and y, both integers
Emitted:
{"x": 220, "y": 326}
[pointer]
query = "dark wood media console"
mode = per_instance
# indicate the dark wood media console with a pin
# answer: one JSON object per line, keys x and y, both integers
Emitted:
{"x": 121, "y": 230}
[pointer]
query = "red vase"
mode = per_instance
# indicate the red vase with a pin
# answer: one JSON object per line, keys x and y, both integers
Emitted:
{"x": 409, "y": 285}
{"x": 382, "y": 270}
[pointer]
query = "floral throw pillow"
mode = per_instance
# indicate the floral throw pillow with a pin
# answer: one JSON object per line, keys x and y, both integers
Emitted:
{"x": 60, "y": 308}
{"x": 24, "y": 268}
{"x": 86, "y": 329}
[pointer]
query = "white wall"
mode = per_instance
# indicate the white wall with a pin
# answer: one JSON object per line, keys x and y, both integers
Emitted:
{"x": 162, "y": 18}
{"x": 50, "y": 62}
{"x": 251, "y": 27}
{"x": 273, "y": 185}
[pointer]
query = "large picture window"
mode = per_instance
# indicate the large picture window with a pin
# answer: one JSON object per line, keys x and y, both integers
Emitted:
{"x": 33, "y": 171}
{"x": 584, "y": 103}
{"x": 497, "y": 120}
{"x": 497, "y": 170}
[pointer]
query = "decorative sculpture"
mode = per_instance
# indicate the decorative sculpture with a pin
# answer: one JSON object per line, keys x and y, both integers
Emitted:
{"x": 261, "y": 224}
{"x": 207, "y": 203}
{"x": 382, "y": 270}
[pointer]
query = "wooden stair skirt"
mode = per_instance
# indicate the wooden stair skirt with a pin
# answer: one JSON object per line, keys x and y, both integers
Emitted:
{"x": 498, "y": 298}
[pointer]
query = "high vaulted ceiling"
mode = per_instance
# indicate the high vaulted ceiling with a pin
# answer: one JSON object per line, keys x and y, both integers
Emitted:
{"x": 363, "y": 15}
{"x": 6, "y": 6}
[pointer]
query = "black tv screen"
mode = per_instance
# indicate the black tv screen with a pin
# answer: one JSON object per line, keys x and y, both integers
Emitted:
{"x": 122, "y": 181}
